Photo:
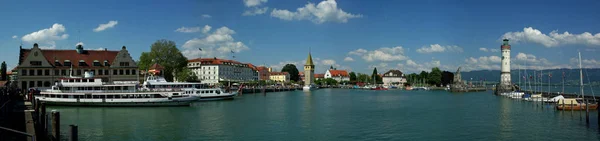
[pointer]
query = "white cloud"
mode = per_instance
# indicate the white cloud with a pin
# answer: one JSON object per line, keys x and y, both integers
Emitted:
{"x": 254, "y": 3}
{"x": 439, "y": 48}
{"x": 184, "y": 29}
{"x": 206, "y": 16}
{"x": 348, "y": 59}
{"x": 206, "y": 29}
{"x": 585, "y": 63}
{"x": 217, "y": 44}
{"x": 105, "y": 26}
{"x": 382, "y": 54}
{"x": 554, "y": 39}
{"x": 483, "y": 49}
{"x": 100, "y": 48}
{"x": 47, "y": 37}
{"x": 15, "y": 36}
{"x": 325, "y": 11}
{"x": 359, "y": 52}
{"x": 255, "y": 11}
{"x": 482, "y": 63}
{"x": 328, "y": 62}
{"x": 414, "y": 67}
{"x": 494, "y": 50}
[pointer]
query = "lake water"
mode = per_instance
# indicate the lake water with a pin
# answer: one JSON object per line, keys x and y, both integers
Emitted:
{"x": 335, "y": 114}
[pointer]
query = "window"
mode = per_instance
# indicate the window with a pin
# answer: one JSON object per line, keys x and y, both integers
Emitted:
{"x": 35, "y": 63}
{"x": 39, "y": 83}
{"x": 100, "y": 72}
{"x": 133, "y": 72}
{"x": 82, "y": 63}
{"x": 127, "y": 72}
{"x": 24, "y": 72}
{"x": 39, "y": 72}
{"x": 31, "y": 83}
{"x": 120, "y": 72}
{"x": 114, "y": 72}
{"x": 56, "y": 72}
{"x": 78, "y": 72}
{"x": 92, "y": 80}
{"x": 63, "y": 72}
{"x": 106, "y": 63}
{"x": 105, "y": 72}
{"x": 123, "y": 64}
{"x": 96, "y": 63}
{"x": 46, "y": 72}
{"x": 56, "y": 63}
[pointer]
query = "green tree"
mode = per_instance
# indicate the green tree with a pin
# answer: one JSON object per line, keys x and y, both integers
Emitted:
{"x": 186, "y": 75}
{"x": 364, "y": 78}
{"x": 435, "y": 76}
{"x": 3, "y": 71}
{"x": 292, "y": 70}
{"x": 423, "y": 75}
{"x": 145, "y": 61}
{"x": 329, "y": 81}
{"x": 376, "y": 76}
{"x": 352, "y": 76}
{"x": 166, "y": 54}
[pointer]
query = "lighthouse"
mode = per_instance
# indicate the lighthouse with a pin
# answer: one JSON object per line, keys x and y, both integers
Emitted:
{"x": 505, "y": 69}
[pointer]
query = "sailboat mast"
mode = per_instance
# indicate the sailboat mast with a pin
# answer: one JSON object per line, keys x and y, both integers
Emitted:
{"x": 581, "y": 78}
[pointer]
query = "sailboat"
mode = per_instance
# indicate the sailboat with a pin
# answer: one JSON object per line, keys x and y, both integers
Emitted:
{"x": 577, "y": 103}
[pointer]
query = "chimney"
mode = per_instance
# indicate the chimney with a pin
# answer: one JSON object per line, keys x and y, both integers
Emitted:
{"x": 35, "y": 45}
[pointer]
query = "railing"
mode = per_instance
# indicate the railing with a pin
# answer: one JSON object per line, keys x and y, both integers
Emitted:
{"x": 19, "y": 132}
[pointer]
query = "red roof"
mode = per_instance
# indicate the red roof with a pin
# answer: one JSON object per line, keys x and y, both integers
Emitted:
{"x": 156, "y": 66}
{"x": 262, "y": 68}
{"x": 319, "y": 75}
{"x": 335, "y": 73}
{"x": 217, "y": 61}
{"x": 279, "y": 73}
{"x": 89, "y": 56}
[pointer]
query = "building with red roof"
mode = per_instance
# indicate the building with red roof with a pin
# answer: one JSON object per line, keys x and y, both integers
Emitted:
{"x": 338, "y": 75}
{"x": 215, "y": 70}
{"x": 264, "y": 73}
{"x": 41, "y": 67}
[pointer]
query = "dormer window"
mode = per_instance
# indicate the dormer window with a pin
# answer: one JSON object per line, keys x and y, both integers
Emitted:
{"x": 106, "y": 63}
{"x": 82, "y": 63}
{"x": 56, "y": 63}
{"x": 97, "y": 63}
{"x": 67, "y": 63}
{"x": 124, "y": 64}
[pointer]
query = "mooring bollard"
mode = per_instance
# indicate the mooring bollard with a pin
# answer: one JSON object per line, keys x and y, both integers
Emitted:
{"x": 56, "y": 124}
{"x": 73, "y": 132}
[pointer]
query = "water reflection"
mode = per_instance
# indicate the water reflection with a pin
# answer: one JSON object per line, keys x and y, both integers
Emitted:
{"x": 505, "y": 120}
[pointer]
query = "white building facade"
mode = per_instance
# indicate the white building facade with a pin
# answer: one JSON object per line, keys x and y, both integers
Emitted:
{"x": 338, "y": 75}
{"x": 213, "y": 70}
{"x": 393, "y": 78}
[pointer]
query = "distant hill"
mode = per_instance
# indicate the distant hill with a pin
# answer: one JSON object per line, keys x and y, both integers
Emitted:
{"x": 571, "y": 75}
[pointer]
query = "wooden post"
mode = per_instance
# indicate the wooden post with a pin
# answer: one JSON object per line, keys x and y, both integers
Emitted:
{"x": 587, "y": 111}
{"x": 43, "y": 118}
{"x": 572, "y": 106}
{"x": 56, "y": 125}
{"x": 73, "y": 133}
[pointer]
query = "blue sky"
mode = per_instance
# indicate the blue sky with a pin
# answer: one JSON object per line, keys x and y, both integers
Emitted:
{"x": 356, "y": 35}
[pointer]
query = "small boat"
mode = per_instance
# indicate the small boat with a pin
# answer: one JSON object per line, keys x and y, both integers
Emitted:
{"x": 408, "y": 88}
{"x": 379, "y": 88}
{"x": 575, "y": 104}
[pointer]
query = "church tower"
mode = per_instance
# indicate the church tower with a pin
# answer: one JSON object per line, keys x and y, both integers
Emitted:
{"x": 309, "y": 73}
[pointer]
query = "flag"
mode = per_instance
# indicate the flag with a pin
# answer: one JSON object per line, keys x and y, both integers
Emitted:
{"x": 524, "y": 77}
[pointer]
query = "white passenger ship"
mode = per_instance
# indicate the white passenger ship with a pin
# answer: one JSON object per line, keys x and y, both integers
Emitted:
{"x": 157, "y": 83}
{"x": 90, "y": 91}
